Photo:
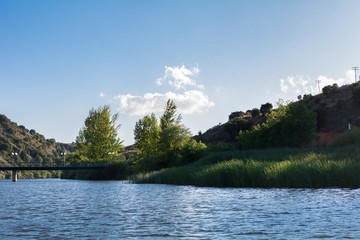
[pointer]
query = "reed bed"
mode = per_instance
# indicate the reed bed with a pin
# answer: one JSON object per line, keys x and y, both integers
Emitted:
{"x": 269, "y": 168}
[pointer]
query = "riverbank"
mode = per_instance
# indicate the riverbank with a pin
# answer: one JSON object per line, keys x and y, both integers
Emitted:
{"x": 119, "y": 170}
{"x": 269, "y": 168}
{"x": 31, "y": 174}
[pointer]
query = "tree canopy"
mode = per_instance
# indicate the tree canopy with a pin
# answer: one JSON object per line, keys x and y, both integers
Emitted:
{"x": 159, "y": 144}
{"x": 97, "y": 140}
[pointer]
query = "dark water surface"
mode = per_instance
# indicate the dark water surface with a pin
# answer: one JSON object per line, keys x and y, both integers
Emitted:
{"x": 71, "y": 209}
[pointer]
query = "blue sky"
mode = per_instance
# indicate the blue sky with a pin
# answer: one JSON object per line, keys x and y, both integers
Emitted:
{"x": 59, "y": 59}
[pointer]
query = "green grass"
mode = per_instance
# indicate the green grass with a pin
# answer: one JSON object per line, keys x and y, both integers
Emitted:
{"x": 284, "y": 167}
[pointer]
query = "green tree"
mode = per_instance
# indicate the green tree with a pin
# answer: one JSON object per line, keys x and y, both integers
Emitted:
{"x": 97, "y": 140}
{"x": 147, "y": 135}
{"x": 173, "y": 134}
{"x": 159, "y": 145}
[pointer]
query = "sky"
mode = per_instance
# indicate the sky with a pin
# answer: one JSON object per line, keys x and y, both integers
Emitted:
{"x": 60, "y": 59}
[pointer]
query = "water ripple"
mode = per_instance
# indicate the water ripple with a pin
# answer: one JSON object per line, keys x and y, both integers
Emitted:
{"x": 68, "y": 209}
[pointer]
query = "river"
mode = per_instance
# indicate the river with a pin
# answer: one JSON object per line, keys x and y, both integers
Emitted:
{"x": 72, "y": 209}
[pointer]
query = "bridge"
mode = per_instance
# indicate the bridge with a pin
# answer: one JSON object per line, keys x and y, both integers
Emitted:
{"x": 87, "y": 166}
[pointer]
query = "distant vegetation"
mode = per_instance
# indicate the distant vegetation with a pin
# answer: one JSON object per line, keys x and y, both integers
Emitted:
{"x": 260, "y": 147}
{"x": 27, "y": 147}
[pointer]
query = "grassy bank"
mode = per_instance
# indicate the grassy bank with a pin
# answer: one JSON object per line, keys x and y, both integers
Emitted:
{"x": 284, "y": 167}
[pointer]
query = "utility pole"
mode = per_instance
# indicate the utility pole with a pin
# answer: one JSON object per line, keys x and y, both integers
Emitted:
{"x": 355, "y": 69}
{"x": 14, "y": 172}
{"x": 318, "y": 82}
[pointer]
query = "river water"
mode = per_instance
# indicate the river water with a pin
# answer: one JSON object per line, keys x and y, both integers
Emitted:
{"x": 72, "y": 209}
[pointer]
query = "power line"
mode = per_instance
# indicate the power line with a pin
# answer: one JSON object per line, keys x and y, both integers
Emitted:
{"x": 355, "y": 69}
{"x": 318, "y": 82}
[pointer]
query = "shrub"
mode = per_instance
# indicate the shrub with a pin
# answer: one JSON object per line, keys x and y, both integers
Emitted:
{"x": 236, "y": 114}
{"x": 235, "y": 126}
{"x": 330, "y": 89}
{"x": 346, "y": 138}
{"x": 255, "y": 112}
{"x": 292, "y": 125}
{"x": 191, "y": 151}
{"x": 266, "y": 108}
{"x": 307, "y": 97}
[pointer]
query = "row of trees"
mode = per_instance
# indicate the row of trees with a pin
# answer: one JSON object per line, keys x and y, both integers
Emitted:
{"x": 159, "y": 144}
{"x": 167, "y": 142}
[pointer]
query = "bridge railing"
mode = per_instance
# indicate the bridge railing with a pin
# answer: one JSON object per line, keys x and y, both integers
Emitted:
{"x": 59, "y": 164}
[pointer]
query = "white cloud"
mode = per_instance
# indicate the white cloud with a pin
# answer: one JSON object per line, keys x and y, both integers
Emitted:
{"x": 349, "y": 78}
{"x": 102, "y": 95}
{"x": 304, "y": 85}
{"x": 180, "y": 77}
{"x": 189, "y": 102}
{"x": 297, "y": 84}
{"x": 284, "y": 87}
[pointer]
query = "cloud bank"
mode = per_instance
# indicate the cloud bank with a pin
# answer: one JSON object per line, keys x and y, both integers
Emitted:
{"x": 304, "y": 85}
{"x": 187, "y": 102}
{"x": 179, "y": 77}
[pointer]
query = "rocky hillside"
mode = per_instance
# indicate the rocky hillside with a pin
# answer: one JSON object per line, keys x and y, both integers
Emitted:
{"x": 335, "y": 107}
{"x": 29, "y": 146}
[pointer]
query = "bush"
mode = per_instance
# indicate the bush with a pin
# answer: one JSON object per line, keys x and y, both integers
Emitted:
{"x": 236, "y": 114}
{"x": 346, "y": 138}
{"x": 255, "y": 112}
{"x": 330, "y": 89}
{"x": 266, "y": 108}
{"x": 191, "y": 152}
{"x": 235, "y": 126}
{"x": 307, "y": 97}
{"x": 292, "y": 125}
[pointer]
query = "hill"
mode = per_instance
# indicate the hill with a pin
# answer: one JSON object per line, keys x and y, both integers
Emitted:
{"x": 29, "y": 146}
{"x": 336, "y": 107}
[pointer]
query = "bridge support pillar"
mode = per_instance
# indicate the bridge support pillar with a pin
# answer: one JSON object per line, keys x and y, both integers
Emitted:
{"x": 14, "y": 176}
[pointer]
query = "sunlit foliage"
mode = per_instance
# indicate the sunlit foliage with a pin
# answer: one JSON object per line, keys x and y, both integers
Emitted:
{"x": 97, "y": 140}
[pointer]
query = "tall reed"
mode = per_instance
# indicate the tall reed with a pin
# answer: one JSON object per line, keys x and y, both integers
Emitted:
{"x": 285, "y": 167}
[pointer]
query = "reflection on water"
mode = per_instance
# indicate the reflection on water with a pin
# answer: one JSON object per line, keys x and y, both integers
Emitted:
{"x": 68, "y": 209}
